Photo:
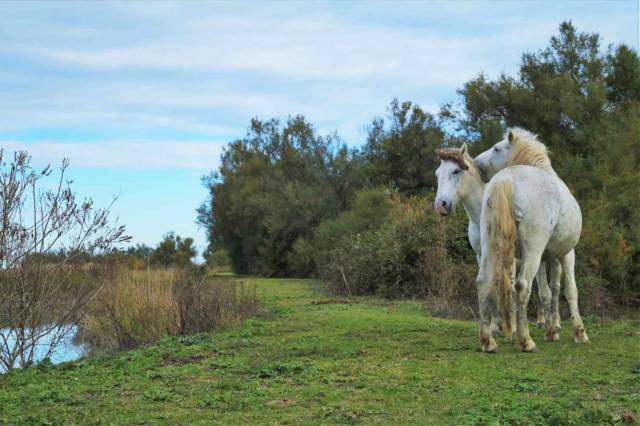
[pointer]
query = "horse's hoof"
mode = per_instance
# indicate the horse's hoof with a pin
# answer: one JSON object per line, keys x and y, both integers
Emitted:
{"x": 491, "y": 350}
{"x": 489, "y": 346}
{"x": 530, "y": 347}
{"x": 553, "y": 337}
{"x": 581, "y": 337}
{"x": 541, "y": 324}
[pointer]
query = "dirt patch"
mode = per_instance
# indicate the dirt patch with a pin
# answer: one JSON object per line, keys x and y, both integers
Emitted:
{"x": 627, "y": 418}
{"x": 280, "y": 403}
{"x": 168, "y": 360}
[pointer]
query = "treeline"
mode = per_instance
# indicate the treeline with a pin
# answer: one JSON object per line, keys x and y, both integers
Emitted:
{"x": 172, "y": 250}
{"x": 286, "y": 201}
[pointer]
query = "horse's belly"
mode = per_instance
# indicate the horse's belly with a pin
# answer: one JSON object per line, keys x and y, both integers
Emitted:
{"x": 567, "y": 231}
{"x": 558, "y": 248}
{"x": 564, "y": 238}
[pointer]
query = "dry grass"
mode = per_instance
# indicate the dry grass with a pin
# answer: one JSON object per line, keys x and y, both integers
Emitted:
{"x": 140, "y": 307}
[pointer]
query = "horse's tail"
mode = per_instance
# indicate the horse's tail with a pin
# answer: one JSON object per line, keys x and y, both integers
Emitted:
{"x": 502, "y": 238}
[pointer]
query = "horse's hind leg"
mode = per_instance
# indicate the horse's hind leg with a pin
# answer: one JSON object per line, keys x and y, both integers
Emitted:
{"x": 530, "y": 265}
{"x": 487, "y": 302}
{"x": 553, "y": 325}
{"x": 495, "y": 318}
{"x": 512, "y": 332}
{"x": 571, "y": 293}
{"x": 544, "y": 295}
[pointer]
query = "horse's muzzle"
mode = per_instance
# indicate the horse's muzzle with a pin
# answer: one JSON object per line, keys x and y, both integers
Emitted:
{"x": 443, "y": 208}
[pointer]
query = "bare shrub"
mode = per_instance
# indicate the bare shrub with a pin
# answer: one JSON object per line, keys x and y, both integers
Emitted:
{"x": 205, "y": 303}
{"x": 43, "y": 295}
{"x": 451, "y": 292}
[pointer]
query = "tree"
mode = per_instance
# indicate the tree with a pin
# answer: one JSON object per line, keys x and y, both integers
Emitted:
{"x": 400, "y": 155}
{"x": 185, "y": 251}
{"x": 174, "y": 250}
{"x": 272, "y": 189}
{"x": 42, "y": 296}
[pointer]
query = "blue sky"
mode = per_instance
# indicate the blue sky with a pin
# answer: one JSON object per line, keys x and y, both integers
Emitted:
{"x": 142, "y": 96}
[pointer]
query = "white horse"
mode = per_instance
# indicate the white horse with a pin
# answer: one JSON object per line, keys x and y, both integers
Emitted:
{"x": 526, "y": 208}
{"x": 460, "y": 181}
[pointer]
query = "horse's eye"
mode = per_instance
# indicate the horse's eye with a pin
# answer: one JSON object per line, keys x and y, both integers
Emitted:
{"x": 495, "y": 148}
{"x": 456, "y": 171}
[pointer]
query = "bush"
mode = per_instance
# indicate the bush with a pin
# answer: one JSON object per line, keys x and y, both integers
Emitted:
{"x": 139, "y": 308}
{"x": 404, "y": 250}
{"x": 204, "y": 304}
{"x": 137, "y": 264}
{"x": 219, "y": 260}
{"x": 301, "y": 259}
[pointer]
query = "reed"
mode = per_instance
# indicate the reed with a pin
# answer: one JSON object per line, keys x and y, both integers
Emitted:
{"x": 140, "y": 307}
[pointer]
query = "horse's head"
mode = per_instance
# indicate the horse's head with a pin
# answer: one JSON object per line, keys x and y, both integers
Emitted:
{"x": 453, "y": 178}
{"x": 495, "y": 158}
{"x": 519, "y": 147}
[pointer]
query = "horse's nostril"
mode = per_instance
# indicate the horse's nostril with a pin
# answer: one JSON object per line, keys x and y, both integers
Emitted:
{"x": 444, "y": 203}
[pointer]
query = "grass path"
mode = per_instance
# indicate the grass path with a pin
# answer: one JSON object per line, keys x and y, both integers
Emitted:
{"x": 318, "y": 360}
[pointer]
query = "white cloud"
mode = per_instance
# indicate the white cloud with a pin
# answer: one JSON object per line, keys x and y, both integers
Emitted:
{"x": 130, "y": 154}
{"x": 209, "y": 68}
{"x": 321, "y": 54}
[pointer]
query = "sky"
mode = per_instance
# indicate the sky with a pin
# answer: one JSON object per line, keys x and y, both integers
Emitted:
{"x": 143, "y": 96}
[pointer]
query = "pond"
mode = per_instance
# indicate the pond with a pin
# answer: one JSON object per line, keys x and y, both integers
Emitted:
{"x": 68, "y": 350}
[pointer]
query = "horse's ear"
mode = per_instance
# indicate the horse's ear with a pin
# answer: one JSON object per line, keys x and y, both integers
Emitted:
{"x": 511, "y": 137}
{"x": 463, "y": 149}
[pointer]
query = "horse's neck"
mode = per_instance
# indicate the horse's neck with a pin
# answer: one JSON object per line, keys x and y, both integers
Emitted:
{"x": 472, "y": 201}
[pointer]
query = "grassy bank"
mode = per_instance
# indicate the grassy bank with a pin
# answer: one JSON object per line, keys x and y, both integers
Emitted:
{"x": 318, "y": 360}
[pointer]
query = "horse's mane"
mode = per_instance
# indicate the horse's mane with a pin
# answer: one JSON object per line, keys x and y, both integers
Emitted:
{"x": 462, "y": 159}
{"x": 528, "y": 150}
{"x": 453, "y": 154}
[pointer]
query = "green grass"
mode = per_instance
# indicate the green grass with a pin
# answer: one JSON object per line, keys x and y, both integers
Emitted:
{"x": 320, "y": 360}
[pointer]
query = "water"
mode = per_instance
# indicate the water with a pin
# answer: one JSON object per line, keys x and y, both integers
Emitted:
{"x": 66, "y": 351}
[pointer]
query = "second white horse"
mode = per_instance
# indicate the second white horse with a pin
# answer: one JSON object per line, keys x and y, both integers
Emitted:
{"x": 526, "y": 208}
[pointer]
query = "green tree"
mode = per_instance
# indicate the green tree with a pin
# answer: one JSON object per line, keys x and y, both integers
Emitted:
{"x": 399, "y": 151}
{"x": 185, "y": 251}
{"x": 272, "y": 188}
{"x": 174, "y": 250}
